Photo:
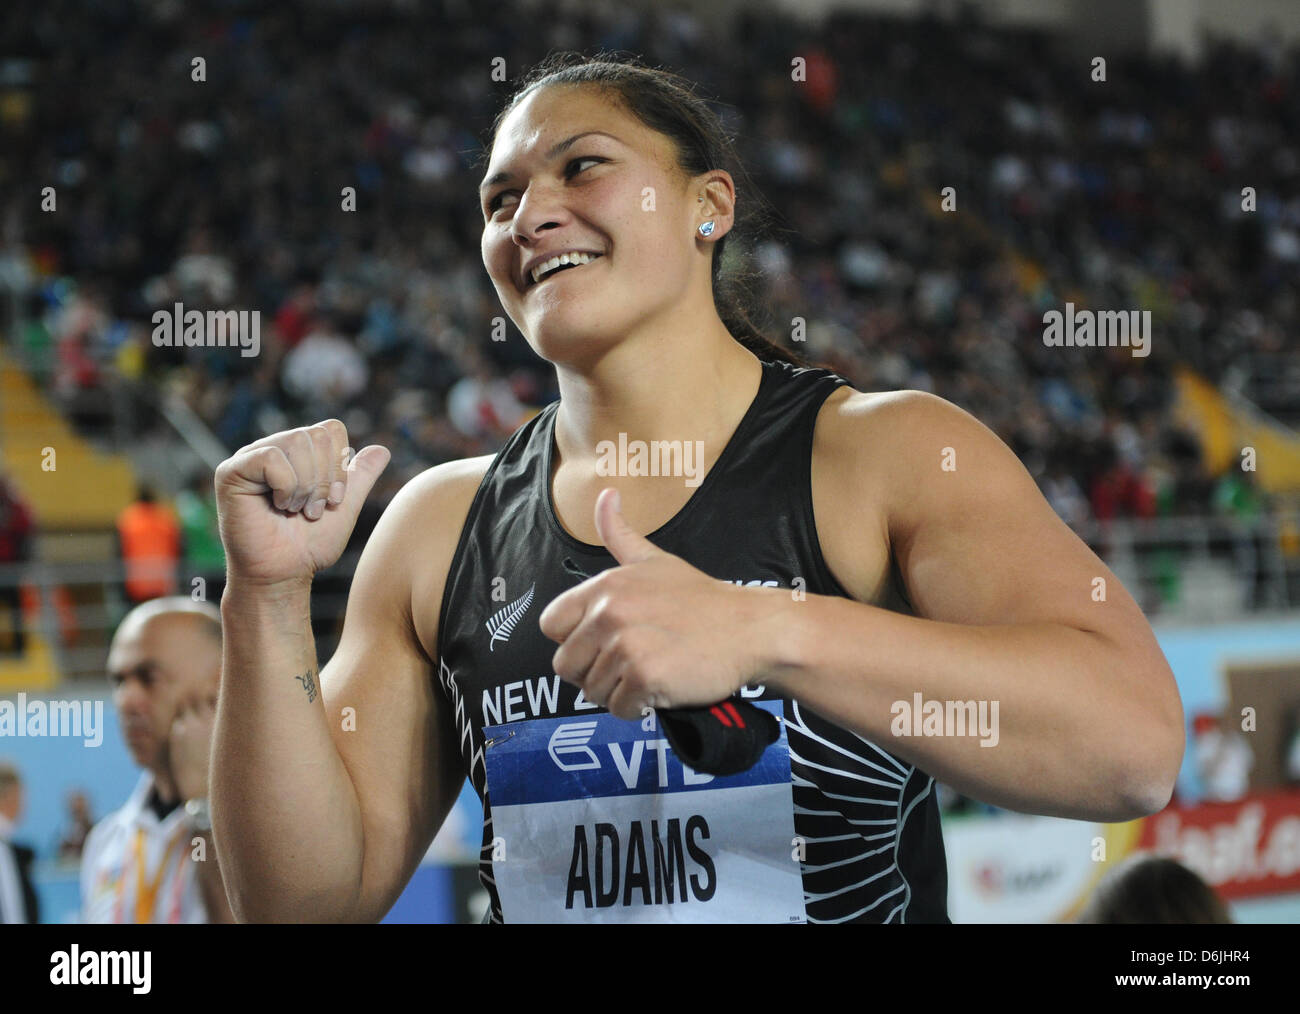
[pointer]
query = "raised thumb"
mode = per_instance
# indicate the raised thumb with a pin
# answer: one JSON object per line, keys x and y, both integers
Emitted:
{"x": 363, "y": 471}
{"x": 623, "y": 543}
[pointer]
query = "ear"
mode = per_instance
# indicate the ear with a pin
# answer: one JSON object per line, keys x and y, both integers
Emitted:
{"x": 719, "y": 204}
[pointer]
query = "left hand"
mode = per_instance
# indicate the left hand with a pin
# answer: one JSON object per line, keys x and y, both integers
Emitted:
{"x": 190, "y": 744}
{"x": 652, "y": 632}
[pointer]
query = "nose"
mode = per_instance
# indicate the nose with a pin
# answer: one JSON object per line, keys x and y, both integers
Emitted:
{"x": 538, "y": 210}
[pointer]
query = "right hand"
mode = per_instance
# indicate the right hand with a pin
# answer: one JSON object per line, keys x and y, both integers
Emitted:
{"x": 286, "y": 504}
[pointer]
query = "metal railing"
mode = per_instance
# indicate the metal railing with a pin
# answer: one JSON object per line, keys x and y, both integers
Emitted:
{"x": 79, "y": 605}
{"x": 1201, "y": 568}
{"x": 1178, "y": 569}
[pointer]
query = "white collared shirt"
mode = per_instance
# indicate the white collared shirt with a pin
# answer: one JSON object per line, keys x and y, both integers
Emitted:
{"x": 111, "y": 871}
{"x": 12, "y": 904}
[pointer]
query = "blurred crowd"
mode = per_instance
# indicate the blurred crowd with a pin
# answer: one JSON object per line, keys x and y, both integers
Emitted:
{"x": 226, "y": 192}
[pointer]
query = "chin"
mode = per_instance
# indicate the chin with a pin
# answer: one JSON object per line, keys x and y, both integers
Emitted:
{"x": 565, "y": 334}
{"x": 144, "y": 755}
{"x": 570, "y": 349}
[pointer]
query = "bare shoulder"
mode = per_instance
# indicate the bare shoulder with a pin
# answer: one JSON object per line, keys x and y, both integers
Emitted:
{"x": 430, "y": 511}
{"x": 889, "y": 414}
{"x": 426, "y": 513}
{"x": 451, "y": 480}
{"x": 867, "y": 451}
{"x": 884, "y": 441}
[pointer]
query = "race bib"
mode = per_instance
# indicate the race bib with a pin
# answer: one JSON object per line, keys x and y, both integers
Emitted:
{"x": 596, "y": 820}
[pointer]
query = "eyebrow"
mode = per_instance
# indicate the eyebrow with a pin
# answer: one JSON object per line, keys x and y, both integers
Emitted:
{"x": 146, "y": 666}
{"x": 563, "y": 146}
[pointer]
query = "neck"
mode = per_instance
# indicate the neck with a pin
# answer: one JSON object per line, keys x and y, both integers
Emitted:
{"x": 165, "y": 787}
{"x": 653, "y": 391}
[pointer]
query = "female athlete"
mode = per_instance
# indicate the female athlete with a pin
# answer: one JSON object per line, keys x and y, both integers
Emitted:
{"x": 698, "y": 519}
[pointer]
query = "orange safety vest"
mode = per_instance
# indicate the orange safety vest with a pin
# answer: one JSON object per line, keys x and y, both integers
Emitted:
{"x": 151, "y": 544}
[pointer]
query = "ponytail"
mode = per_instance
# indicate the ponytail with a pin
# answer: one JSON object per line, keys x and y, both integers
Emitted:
{"x": 744, "y": 331}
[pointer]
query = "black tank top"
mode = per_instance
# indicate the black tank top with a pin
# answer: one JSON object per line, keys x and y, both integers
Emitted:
{"x": 874, "y": 850}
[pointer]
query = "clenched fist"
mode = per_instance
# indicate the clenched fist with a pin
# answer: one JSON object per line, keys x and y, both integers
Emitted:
{"x": 286, "y": 504}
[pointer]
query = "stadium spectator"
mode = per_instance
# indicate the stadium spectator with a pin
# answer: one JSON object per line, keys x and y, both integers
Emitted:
{"x": 73, "y": 841}
{"x": 18, "y": 901}
{"x": 1291, "y": 749}
{"x": 16, "y": 531}
{"x": 196, "y": 506}
{"x": 149, "y": 541}
{"x": 1121, "y": 491}
{"x": 324, "y": 371}
{"x": 1223, "y": 758}
{"x": 1152, "y": 890}
{"x": 1239, "y": 502}
{"x": 141, "y": 862}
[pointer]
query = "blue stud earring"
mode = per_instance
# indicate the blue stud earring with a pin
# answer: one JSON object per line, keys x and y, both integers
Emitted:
{"x": 706, "y": 229}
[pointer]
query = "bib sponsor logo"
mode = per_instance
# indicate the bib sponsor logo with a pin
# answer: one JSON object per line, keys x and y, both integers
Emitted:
{"x": 571, "y": 740}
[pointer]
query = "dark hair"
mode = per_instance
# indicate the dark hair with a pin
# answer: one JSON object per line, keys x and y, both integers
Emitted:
{"x": 665, "y": 102}
{"x": 1147, "y": 889}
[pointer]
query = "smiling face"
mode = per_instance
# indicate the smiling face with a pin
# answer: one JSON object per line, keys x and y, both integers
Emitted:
{"x": 569, "y": 171}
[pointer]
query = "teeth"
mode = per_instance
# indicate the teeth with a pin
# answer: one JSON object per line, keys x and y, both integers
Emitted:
{"x": 557, "y": 261}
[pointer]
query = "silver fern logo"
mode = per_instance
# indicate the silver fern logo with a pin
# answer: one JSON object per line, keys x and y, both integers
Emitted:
{"x": 502, "y": 623}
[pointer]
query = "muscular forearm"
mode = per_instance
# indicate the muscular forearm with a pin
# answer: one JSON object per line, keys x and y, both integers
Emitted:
{"x": 1085, "y": 728}
{"x": 284, "y": 811}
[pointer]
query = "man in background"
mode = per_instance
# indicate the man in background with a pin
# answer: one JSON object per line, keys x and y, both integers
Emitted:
{"x": 1150, "y": 890}
{"x": 205, "y": 557}
{"x": 15, "y": 547}
{"x": 154, "y": 860}
{"x": 149, "y": 540}
{"x": 74, "y": 840}
{"x": 18, "y": 902}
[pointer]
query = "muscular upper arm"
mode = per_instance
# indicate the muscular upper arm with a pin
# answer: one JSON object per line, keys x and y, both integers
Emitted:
{"x": 974, "y": 538}
{"x": 390, "y": 726}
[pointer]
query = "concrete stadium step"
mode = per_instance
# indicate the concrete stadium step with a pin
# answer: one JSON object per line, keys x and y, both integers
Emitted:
{"x": 34, "y": 670}
{"x": 86, "y": 489}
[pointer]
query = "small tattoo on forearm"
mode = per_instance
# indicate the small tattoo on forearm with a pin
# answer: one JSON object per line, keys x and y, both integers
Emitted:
{"x": 308, "y": 684}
